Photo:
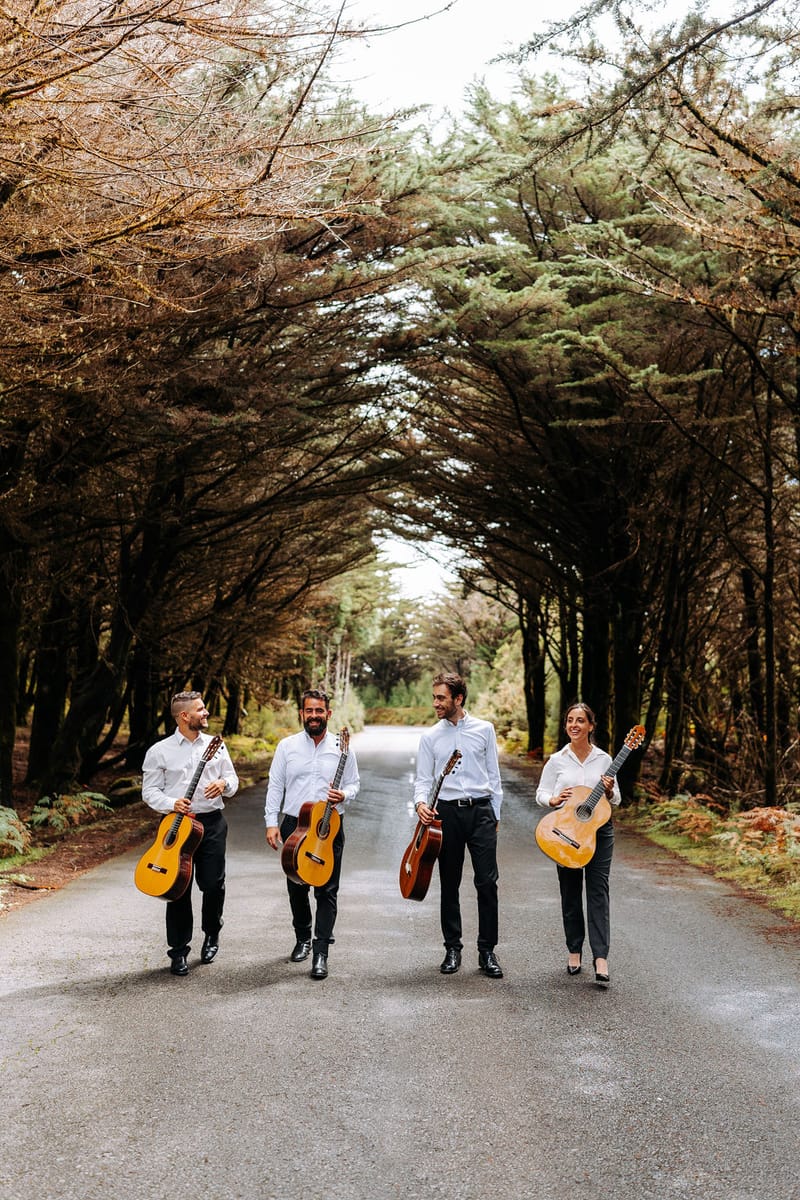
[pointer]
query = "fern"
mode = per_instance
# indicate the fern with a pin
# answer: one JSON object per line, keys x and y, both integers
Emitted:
{"x": 58, "y": 813}
{"x": 15, "y": 837}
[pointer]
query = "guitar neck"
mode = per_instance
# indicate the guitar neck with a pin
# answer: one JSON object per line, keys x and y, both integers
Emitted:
{"x": 190, "y": 791}
{"x": 433, "y": 794}
{"x": 209, "y": 753}
{"x": 433, "y": 798}
{"x": 598, "y": 790}
{"x": 337, "y": 779}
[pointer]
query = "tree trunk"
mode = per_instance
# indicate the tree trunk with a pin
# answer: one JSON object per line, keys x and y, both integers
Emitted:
{"x": 753, "y": 647}
{"x": 52, "y": 674}
{"x": 627, "y": 633}
{"x": 144, "y": 705}
{"x": 595, "y": 668}
{"x": 533, "y": 663}
{"x": 770, "y": 567}
{"x": 9, "y": 638}
{"x": 233, "y": 712}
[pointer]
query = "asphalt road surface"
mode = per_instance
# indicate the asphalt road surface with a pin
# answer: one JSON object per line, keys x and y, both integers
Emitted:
{"x": 248, "y": 1079}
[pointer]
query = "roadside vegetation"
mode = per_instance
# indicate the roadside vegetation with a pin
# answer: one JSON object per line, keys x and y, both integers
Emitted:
{"x": 758, "y": 849}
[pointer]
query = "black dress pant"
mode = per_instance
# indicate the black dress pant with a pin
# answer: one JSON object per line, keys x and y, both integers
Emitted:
{"x": 326, "y": 896}
{"x": 473, "y": 829}
{"x": 595, "y": 875}
{"x": 209, "y": 872}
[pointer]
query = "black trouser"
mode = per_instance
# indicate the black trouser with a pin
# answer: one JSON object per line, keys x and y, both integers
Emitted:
{"x": 474, "y": 829}
{"x": 326, "y": 896}
{"x": 209, "y": 872}
{"x": 571, "y": 881}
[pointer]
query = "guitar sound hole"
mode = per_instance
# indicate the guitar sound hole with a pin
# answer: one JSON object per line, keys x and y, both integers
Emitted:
{"x": 583, "y": 813}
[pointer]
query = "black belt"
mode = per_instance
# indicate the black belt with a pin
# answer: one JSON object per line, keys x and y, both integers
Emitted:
{"x": 468, "y": 801}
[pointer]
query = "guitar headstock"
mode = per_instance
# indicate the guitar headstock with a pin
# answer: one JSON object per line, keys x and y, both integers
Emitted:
{"x": 452, "y": 763}
{"x": 344, "y": 739}
{"x": 635, "y": 738}
{"x": 212, "y": 748}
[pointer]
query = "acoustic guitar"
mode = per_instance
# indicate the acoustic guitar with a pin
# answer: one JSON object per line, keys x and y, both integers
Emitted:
{"x": 422, "y": 852}
{"x": 165, "y": 870}
{"x": 569, "y": 834}
{"x": 307, "y": 855}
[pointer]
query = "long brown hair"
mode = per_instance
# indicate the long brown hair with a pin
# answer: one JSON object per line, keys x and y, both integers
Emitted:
{"x": 592, "y": 718}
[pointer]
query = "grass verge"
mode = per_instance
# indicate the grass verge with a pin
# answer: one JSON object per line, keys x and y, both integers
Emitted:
{"x": 757, "y": 850}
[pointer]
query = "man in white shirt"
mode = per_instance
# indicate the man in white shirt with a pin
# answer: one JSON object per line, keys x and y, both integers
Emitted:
{"x": 469, "y": 809}
{"x": 168, "y": 769}
{"x": 302, "y": 771}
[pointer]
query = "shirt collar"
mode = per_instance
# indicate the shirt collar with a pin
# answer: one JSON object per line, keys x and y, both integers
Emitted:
{"x": 592, "y": 751}
{"x": 180, "y": 737}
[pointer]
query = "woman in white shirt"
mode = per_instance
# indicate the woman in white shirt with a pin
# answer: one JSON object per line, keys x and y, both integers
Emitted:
{"x": 581, "y": 764}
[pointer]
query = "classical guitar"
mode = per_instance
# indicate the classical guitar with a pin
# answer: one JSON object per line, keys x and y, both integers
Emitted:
{"x": 422, "y": 852}
{"x": 165, "y": 870}
{"x": 569, "y": 834}
{"x": 307, "y": 855}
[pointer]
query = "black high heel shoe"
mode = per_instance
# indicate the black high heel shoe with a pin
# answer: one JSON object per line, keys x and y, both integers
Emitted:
{"x": 601, "y": 980}
{"x": 573, "y": 970}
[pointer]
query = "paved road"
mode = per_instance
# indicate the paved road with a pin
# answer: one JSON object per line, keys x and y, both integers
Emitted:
{"x": 246, "y": 1079}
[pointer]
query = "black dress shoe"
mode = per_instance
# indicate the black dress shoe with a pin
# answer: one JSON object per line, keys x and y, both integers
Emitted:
{"x": 301, "y": 952}
{"x": 179, "y": 965}
{"x": 489, "y": 964}
{"x": 319, "y": 967}
{"x": 573, "y": 970}
{"x": 210, "y": 947}
{"x": 451, "y": 963}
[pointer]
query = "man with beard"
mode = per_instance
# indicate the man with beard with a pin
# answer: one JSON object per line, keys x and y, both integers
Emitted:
{"x": 469, "y": 810}
{"x": 304, "y": 765}
{"x": 169, "y": 767}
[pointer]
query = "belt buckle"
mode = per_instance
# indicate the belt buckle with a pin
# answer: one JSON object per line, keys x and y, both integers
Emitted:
{"x": 464, "y": 803}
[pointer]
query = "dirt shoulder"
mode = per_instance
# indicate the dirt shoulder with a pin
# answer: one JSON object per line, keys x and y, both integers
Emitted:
{"x": 77, "y": 851}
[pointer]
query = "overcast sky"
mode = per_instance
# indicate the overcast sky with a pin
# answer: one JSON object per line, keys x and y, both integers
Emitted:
{"x": 432, "y": 61}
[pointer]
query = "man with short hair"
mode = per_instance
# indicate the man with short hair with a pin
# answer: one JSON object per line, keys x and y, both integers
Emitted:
{"x": 168, "y": 769}
{"x": 302, "y": 771}
{"x": 469, "y": 810}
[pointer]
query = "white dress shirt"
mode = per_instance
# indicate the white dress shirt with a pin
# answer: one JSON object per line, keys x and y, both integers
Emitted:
{"x": 168, "y": 769}
{"x": 564, "y": 769}
{"x": 302, "y": 771}
{"x": 476, "y": 774}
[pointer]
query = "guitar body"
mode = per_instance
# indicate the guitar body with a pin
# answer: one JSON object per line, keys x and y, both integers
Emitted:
{"x": 165, "y": 870}
{"x": 307, "y": 855}
{"x": 569, "y": 836}
{"x": 416, "y": 867}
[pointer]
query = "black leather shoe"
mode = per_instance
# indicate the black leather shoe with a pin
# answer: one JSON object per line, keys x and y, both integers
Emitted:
{"x": 489, "y": 964}
{"x": 301, "y": 952}
{"x": 179, "y": 965}
{"x": 210, "y": 947}
{"x": 319, "y": 967}
{"x": 573, "y": 970}
{"x": 451, "y": 963}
